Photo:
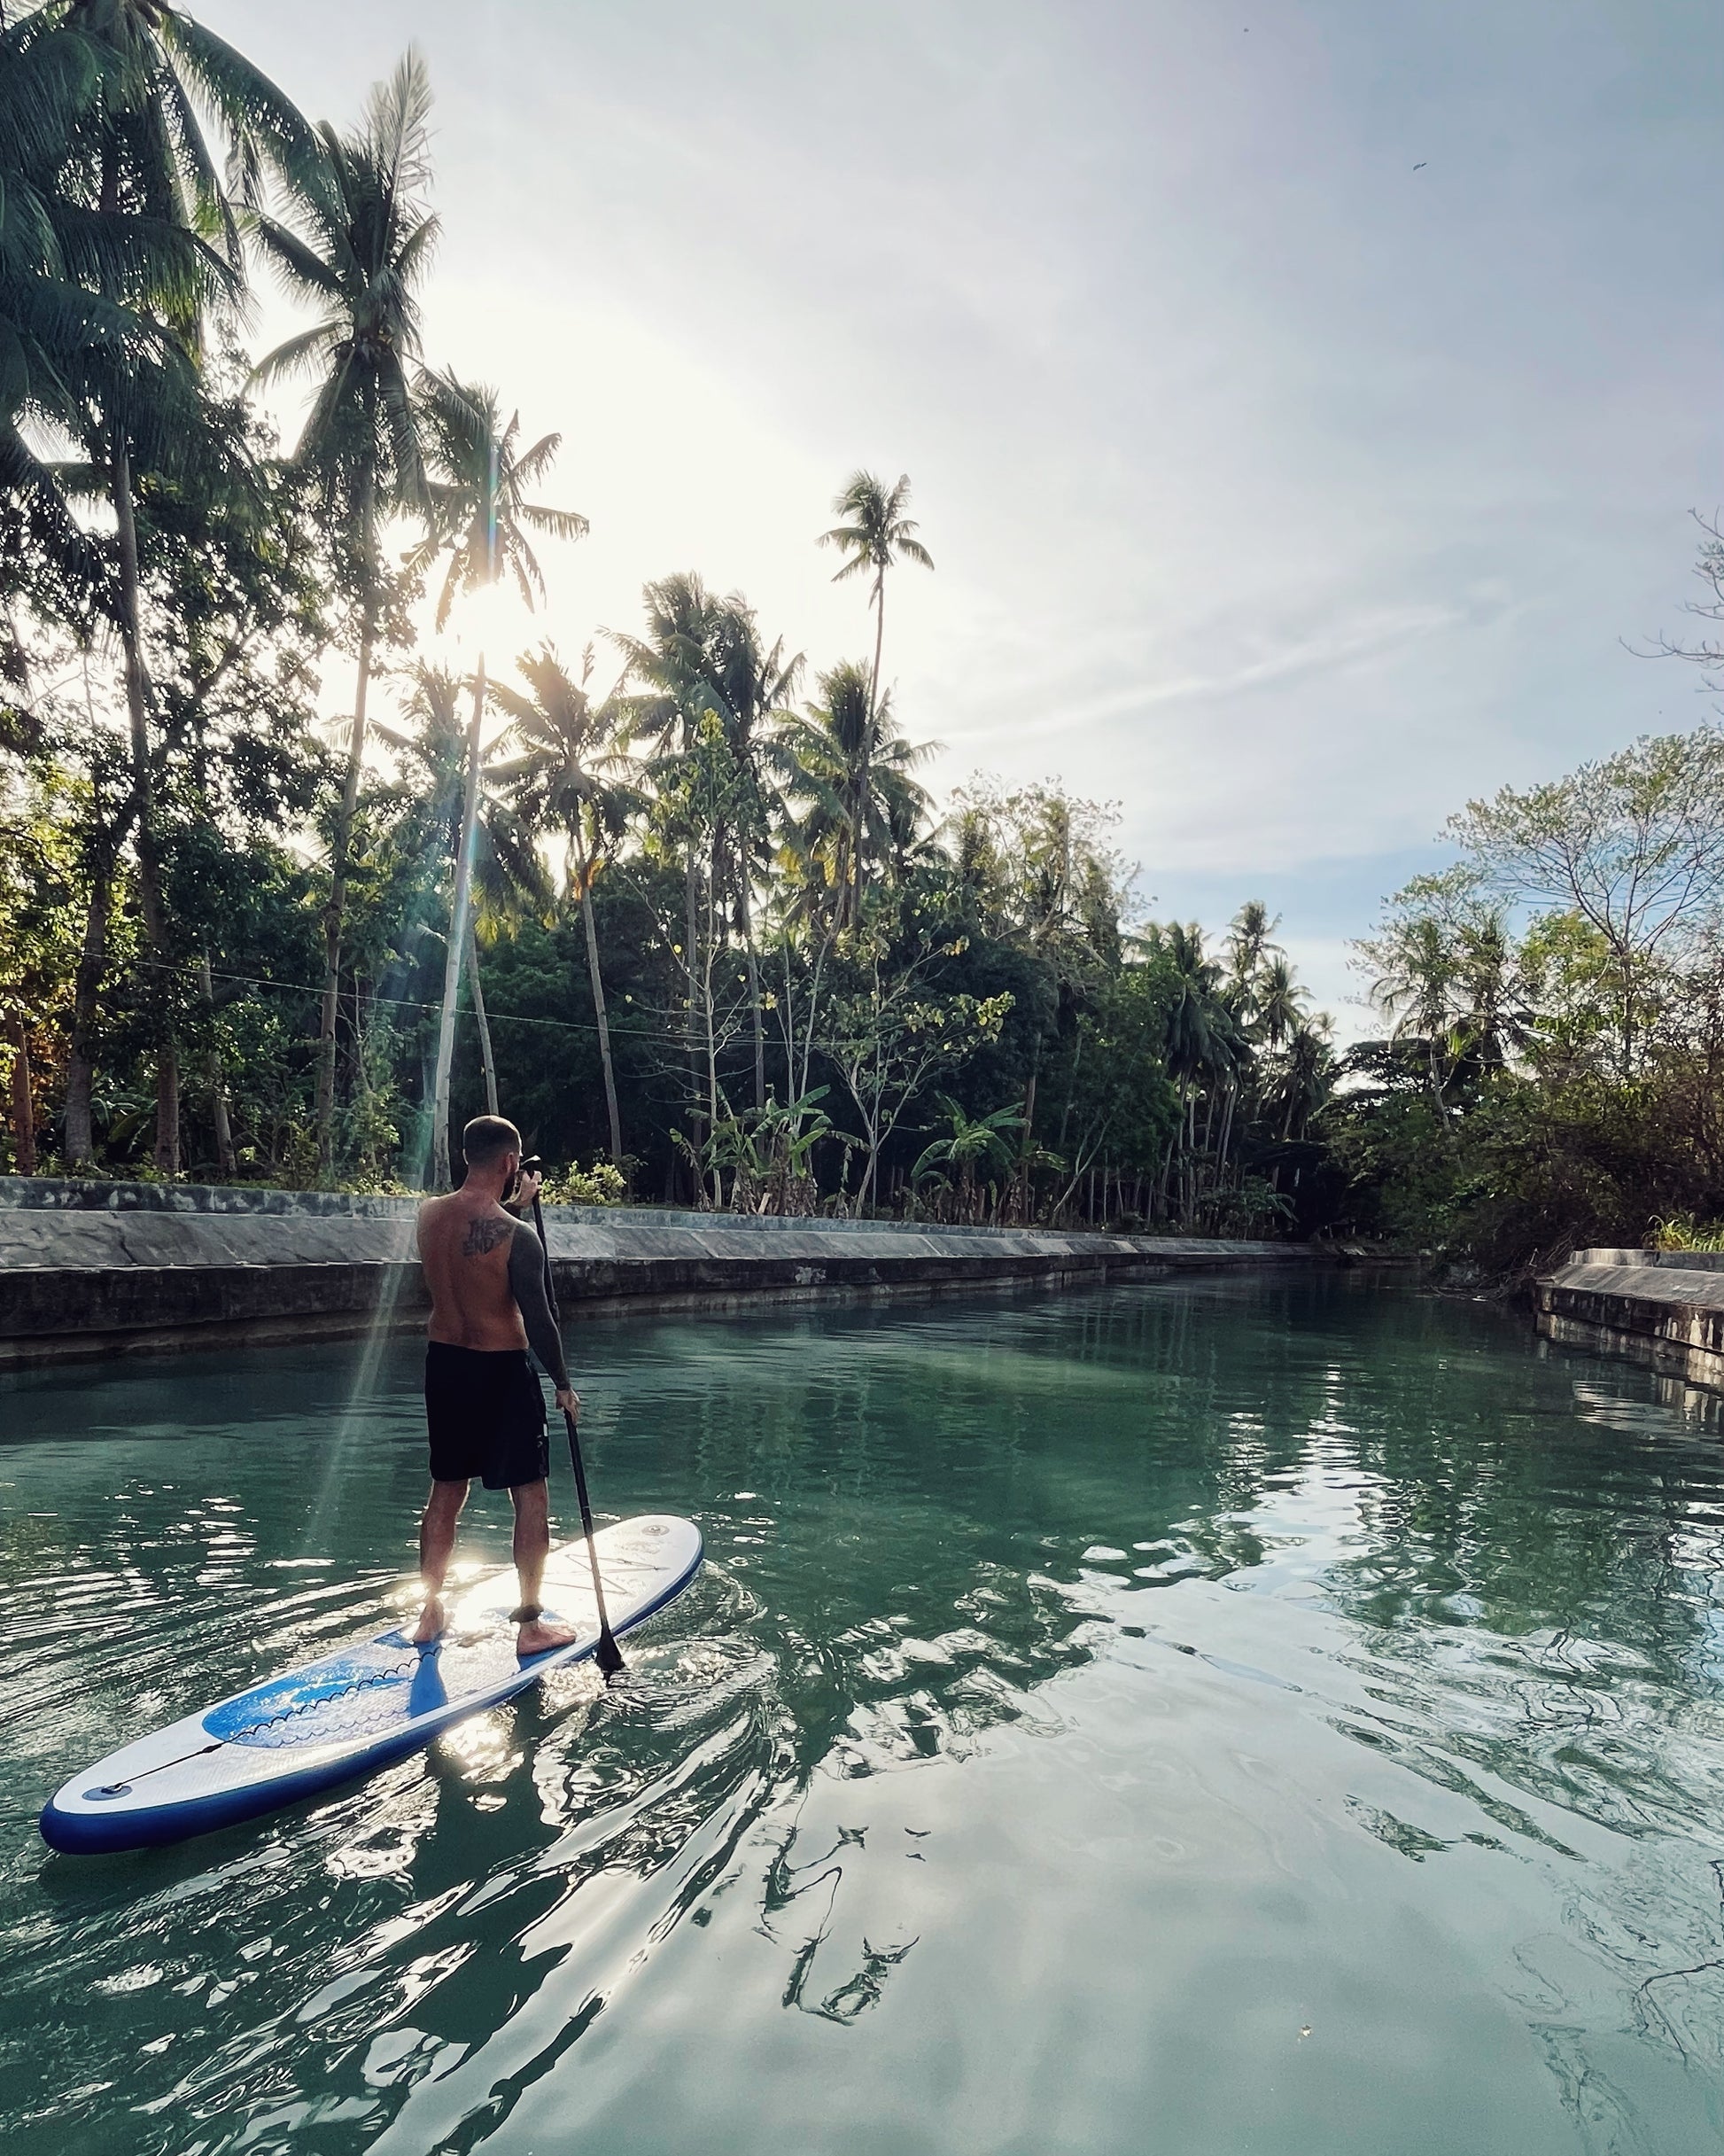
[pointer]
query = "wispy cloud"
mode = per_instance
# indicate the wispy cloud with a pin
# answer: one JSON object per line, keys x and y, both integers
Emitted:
{"x": 1389, "y": 630}
{"x": 1284, "y": 494}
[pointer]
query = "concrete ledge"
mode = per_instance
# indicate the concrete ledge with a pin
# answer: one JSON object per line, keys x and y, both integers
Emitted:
{"x": 1664, "y": 1309}
{"x": 90, "y": 1270}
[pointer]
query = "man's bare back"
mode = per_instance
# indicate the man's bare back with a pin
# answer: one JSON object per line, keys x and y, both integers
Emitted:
{"x": 464, "y": 1242}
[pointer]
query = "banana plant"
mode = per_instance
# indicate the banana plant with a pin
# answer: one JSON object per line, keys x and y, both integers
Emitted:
{"x": 768, "y": 1151}
{"x": 970, "y": 1147}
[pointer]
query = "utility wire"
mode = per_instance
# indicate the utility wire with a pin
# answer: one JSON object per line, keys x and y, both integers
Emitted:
{"x": 306, "y": 988}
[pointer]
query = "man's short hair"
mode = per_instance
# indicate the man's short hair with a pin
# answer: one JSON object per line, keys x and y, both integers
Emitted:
{"x": 487, "y": 1138}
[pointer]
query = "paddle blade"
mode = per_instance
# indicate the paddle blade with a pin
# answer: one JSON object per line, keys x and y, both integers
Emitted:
{"x": 608, "y": 1655}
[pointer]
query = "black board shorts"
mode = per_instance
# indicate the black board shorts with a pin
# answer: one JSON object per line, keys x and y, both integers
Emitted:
{"x": 485, "y": 1414}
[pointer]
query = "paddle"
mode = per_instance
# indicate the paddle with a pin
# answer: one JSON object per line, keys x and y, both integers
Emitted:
{"x": 608, "y": 1655}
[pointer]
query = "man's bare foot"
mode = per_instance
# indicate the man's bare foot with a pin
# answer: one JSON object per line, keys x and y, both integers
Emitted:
{"x": 540, "y": 1635}
{"x": 432, "y": 1620}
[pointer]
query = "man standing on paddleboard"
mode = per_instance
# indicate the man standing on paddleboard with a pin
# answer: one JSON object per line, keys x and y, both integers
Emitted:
{"x": 484, "y": 1407}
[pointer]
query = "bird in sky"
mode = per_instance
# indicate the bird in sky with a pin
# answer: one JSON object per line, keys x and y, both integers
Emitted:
{"x": 1422, "y": 163}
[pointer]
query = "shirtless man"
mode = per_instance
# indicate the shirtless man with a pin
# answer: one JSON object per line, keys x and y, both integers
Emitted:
{"x": 484, "y": 1407}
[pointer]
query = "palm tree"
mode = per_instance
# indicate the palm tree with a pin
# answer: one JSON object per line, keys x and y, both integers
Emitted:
{"x": 355, "y": 242}
{"x": 61, "y": 332}
{"x": 478, "y": 492}
{"x": 876, "y": 533}
{"x": 1278, "y": 1002}
{"x": 1495, "y": 1014}
{"x": 1203, "y": 1042}
{"x": 674, "y": 660}
{"x": 479, "y": 509}
{"x": 1308, "y": 1078}
{"x": 1261, "y": 997}
{"x": 1249, "y": 942}
{"x": 852, "y": 768}
{"x": 1416, "y": 966}
{"x": 568, "y": 769}
{"x": 508, "y": 878}
{"x": 168, "y": 65}
{"x": 978, "y": 865}
{"x": 154, "y": 231}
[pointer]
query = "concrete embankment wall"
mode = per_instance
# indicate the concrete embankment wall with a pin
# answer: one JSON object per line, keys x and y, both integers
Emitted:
{"x": 91, "y": 1269}
{"x": 1663, "y": 1308}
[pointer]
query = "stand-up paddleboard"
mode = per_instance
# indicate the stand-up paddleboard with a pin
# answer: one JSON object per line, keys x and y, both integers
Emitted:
{"x": 355, "y": 1710}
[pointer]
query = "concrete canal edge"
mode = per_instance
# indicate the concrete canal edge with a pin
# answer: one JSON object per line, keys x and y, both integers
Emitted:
{"x": 92, "y": 1269}
{"x": 1662, "y": 1308}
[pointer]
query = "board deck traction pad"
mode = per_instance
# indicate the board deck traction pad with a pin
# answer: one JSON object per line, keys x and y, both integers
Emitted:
{"x": 375, "y": 1700}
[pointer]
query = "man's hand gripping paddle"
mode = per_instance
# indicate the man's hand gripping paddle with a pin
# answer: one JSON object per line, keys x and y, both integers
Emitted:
{"x": 608, "y": 1655}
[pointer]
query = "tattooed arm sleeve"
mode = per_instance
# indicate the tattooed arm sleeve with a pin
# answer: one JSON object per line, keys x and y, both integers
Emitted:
{"x": 526, "y": 1284}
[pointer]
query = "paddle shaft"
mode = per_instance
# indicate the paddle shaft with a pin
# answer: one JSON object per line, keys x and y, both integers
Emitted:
{"x": 608, "y": 1655}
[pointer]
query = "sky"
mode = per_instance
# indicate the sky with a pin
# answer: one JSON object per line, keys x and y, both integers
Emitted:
{"x": 1305, "y": 406}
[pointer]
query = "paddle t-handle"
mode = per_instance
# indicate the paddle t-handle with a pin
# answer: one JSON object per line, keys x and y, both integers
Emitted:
{"x": 608, "y": 1655}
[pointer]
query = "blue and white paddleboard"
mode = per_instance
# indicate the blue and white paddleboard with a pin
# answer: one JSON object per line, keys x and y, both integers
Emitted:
{"x": 356, "y": 1710}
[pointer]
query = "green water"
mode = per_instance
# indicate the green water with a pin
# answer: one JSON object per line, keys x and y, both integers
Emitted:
{"x": 1268, "y": 1716}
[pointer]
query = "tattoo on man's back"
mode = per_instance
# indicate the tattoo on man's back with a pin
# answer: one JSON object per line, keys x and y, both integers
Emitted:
{"x": 484, "y": 1234}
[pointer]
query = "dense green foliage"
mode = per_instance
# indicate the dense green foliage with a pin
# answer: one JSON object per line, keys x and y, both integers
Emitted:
{"x": 1556, "y": 1074}
{"x": 697, "y": 920}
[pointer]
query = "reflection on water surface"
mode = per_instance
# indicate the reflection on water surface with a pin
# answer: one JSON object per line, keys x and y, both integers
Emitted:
{"x": 1254, "y": 1715}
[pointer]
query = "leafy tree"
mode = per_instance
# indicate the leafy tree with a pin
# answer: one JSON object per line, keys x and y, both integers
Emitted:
{"x": 889, "y": 1031}
{"x": 161, "y": 239}
{"x": 1633, "y": 843}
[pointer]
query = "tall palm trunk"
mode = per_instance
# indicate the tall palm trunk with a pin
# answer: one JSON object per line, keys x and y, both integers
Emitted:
{"x": 1071, "y": 1090}
{"x": 458, "y": 913}
{"x": 87, "y": 985}
{"x": 487, "y": 1060}
{"x": 149, "y": 846}
{"x": 225, "y": 1157}
{"x": 1019, "y": 1198}
{"x": 24, "y": 1113}
{"x": 691, "y": 1028}
{"x": 873, "y": 712}
{"x": 81, "y": 1063}
{"x": 334, "y": 913}
{"x": 856, "y": 841}
{"x": 758, "y": 1017}
{"x": 799, "y": 1089}
{"x": 1227, "y": 1126}
{"x": 879, "y": 634}
{"x": 1433, "y": 1074}
{"x": 583, "y": 868}
{"x": 710, "y": 1020}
